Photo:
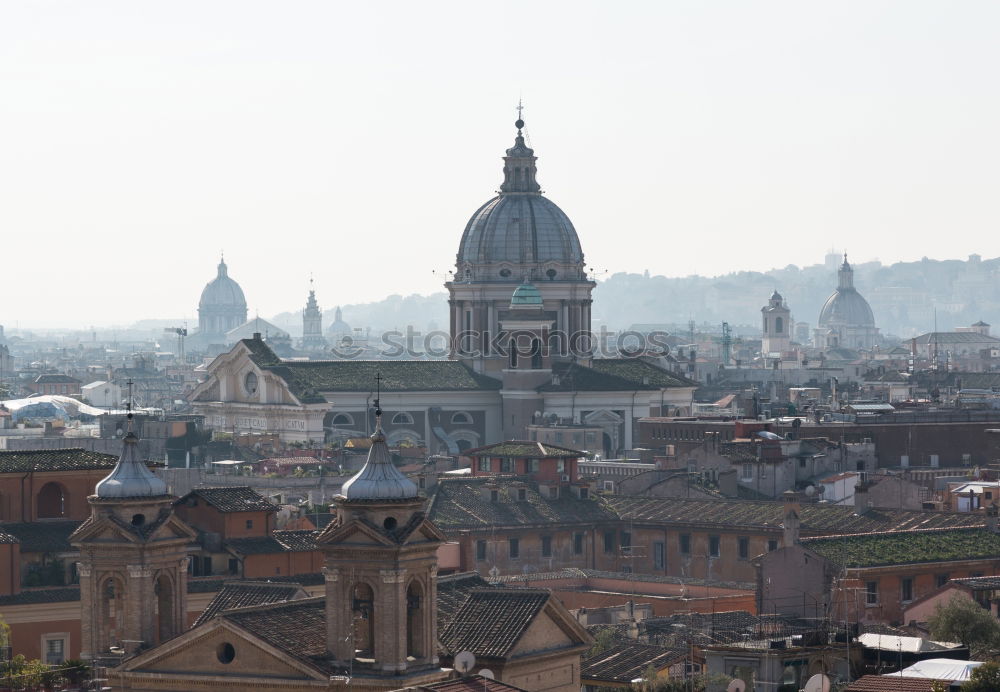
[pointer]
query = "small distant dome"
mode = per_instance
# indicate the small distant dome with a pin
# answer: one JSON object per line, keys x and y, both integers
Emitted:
{"x": 776, "y": 296}
{"x": 846, "y": 306}
{"x": 526, "y": 296}
{"x": 379, "y": 479}
{"x": 222, "y": 291}
{"x": 338, "y": 327}
{"x": 130, "y": 477}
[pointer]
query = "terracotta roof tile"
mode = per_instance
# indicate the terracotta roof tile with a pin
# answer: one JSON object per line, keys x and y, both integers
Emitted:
{"x": 236, "y": 498}
{"x": 626, "y": 662}
{"x": 881, "y": 683}
{"x": 298, "y": 628}
{"x": 54, "y": 460}
{"x": 277, "y": 542}
{"x": 907, "y": 547}
{"x": 491, "y": 621}
{"x": 472, "y": 683}
{"x": 523, "y": 449}
{"x": 49, "y": 536}
{"x": 242, "y": 594}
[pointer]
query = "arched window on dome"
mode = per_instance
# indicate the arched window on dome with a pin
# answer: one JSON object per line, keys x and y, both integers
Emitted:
{"x": 461, "y": 418}
{"x": 779, "y": 325}
{"x": 402, "y": 418}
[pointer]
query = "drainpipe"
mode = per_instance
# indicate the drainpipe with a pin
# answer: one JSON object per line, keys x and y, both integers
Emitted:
{"x": 23, "y": 478}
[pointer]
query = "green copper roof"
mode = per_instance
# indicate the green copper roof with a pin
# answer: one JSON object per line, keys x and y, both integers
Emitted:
{"x": 526, "y": 295}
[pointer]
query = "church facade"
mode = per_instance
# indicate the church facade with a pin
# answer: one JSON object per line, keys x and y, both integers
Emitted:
{"x": 520, "y": 351}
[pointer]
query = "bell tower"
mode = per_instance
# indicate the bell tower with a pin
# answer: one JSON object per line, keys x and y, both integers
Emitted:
{"x": 133, "y": 560}
{"x": 380, "y": 563}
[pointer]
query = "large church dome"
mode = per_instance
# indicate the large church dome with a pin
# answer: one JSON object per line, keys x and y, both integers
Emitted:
{"x": 222, "y": 290}
{"x": 519, "y": 233}
{"x": 846, "y": 306}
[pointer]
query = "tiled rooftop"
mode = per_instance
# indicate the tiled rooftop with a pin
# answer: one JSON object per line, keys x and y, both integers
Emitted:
{"x": 242, "y": 594}
{"x": 472, "y": 683}
{"x": 816, "y": 518}
{"x": 54, "y": 460}
{"x": 452, "y": 590}
{"x": 277, "y": 542}
{"x": 298, "y": 628}
{"x": 625, "y": 662}
{"x": 459, "y": 503}
{"x": 491, "y": 621}
{"x": 49, "y": 536}
{"x": 236, "y": 498}
{"x": 907, "y": 547}
{"x": 882, "y": 683}
{"x": 524, "y": 449}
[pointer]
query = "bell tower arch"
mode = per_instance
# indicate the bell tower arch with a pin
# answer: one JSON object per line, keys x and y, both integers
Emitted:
{"x": 133, "y": 560}
{"x": 380, "y": 563}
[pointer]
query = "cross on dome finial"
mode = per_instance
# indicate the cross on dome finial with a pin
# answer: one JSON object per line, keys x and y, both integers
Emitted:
{"x": 519, "y": 123}
{"x": 128, "y": 404}
{"x": 378, "y": 396}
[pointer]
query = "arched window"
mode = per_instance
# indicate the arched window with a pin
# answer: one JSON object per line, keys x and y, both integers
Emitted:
{"x": 52, "y": 501}
{"x": 415, "y": 620}
{"x": 536, "y": 354}
{"x": 363, "y": 609}
{"x": 342, "y": 419}
{"x": 779, "y": 325}
{"x": 461, "y": 418}
{"x": 164, "y": 590}
{"x": 402, "y": 418}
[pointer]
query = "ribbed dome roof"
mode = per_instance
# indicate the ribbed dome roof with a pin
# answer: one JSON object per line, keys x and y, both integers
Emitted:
{"x": 520, "y": 226}
{"x": 222, "y": 291}
{"x": 379, "y": 479}
{"x": 130, "y": 477}
{"x": 521, "y": 229}
{"x": 846, "y": 306}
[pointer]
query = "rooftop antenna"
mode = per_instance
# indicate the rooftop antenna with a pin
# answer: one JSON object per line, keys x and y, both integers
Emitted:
{"x": 128, "y": 405}
{"x": 378, "y": 394}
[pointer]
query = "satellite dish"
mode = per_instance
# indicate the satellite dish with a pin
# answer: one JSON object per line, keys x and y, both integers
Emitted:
{"x": 737, "y": 685}
{"x": 811, "y": 490}
{"x": 817, "y": 683}
{"x": 487, "y": 673}
{"x": 464, "y": 662}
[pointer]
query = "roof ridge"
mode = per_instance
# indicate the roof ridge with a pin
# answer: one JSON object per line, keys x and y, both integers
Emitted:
{"x": 312, "y": 600}
{"x": 891, "y": 532}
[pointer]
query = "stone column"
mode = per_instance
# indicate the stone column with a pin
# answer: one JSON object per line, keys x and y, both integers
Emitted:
{"x": 89, "y": 606}
{"x": 337, "y": 624}
{"x": 391, "y": 623}
{"x": 139, "y": 613}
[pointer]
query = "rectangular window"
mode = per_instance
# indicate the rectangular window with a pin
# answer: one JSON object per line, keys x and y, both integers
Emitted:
{"x": 626, "y": 541}
{"x": 506, "y": 466}
{"x": 772, "y": 545}
{"x": 713, "y": 546}
{"x": 494, "y": 496}
{"x": 578, "y": 544}
{"x": 561, "y": 466}
{"x": 249, "y": 523}
{"x": 522, "y": 494}
{"x": 871, "y": 593}
{"x": 480, "y": 550}
{"x": 515, "y": 548}
{"x": 747, "y": 472}
{"x": 941, "y": 579}
{"x": 743, "y": 544}
{"x": 234, "y": 566}
{"x": 55, "y": 651}
{"x": 685, "y": 543}
{"x": 659, "y": 555}
{"x": 906, "y": 589}
{"x": 609, "y": 541}
{"x": 546, "y": 546}
{"x": 533, "y": 465}
{"x": 206, "y": 566}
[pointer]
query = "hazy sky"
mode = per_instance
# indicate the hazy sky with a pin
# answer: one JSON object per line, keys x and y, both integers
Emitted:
{"x": 353, "y": 140}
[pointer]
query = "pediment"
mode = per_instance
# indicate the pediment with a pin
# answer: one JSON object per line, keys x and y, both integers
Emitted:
{"x": 357, "y": 533}
{"x": 550, "y": 630}
{"x": 103, "y": 530}
{"x": 201, "y": 651}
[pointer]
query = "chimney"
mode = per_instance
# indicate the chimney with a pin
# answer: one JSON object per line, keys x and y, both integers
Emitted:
{"x": 791, "y": 520}
{"x": 256, "y": 336}
{"x": 862, "y": 503}
{"x": 727, "y": 483}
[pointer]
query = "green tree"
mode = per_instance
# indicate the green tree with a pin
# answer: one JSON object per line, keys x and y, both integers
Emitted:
{"x": 985, "y": 678}
{"x": 963, "y": 620}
